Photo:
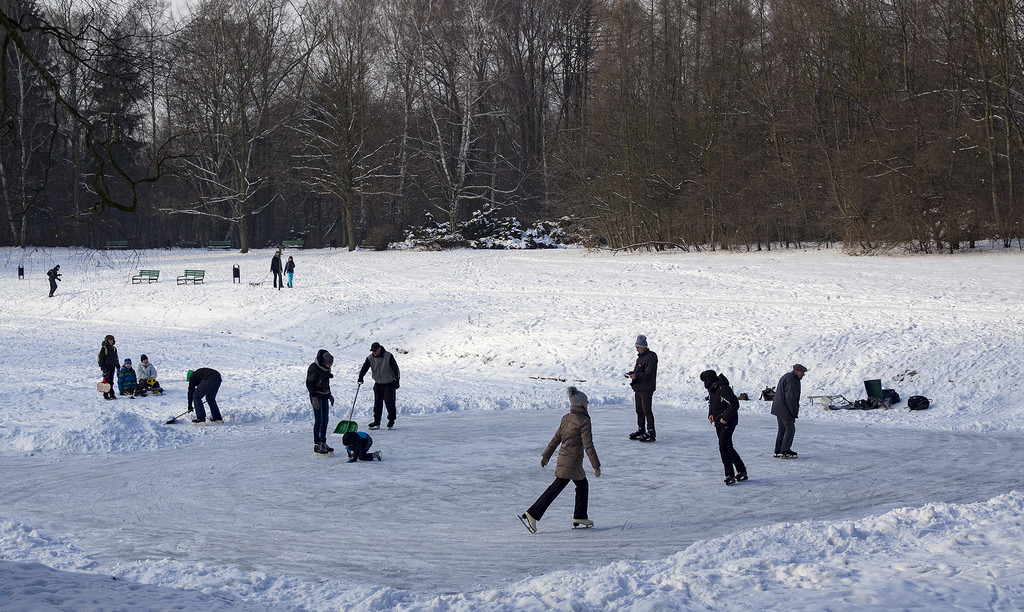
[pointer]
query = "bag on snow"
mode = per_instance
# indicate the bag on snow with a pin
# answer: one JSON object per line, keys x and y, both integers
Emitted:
{"x": 891, "y": 396}
{"x": 768, "y": 394}
{"x": 918, "y": 402}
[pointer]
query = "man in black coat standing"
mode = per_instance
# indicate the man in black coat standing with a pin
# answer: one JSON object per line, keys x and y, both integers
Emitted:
{"x": 54, "y": 275}
{"x": 786, "y": 408}
{"x": 723, "y": 413}
{"x": 275, "y": 267}
{"x": 643, "y": 379}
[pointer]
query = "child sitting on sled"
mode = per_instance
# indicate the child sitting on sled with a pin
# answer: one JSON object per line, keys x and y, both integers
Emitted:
{"x": 147, "y": 378}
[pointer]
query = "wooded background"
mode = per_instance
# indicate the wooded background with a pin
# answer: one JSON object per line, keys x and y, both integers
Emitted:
{"x": 655, "y": 124}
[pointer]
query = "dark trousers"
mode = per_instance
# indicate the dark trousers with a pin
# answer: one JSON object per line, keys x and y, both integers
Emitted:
{"x": 110, "y": 375}
{"x": 730, "y": 458}
{"x": 582, "y": 493}
{"x": 359, "y": 448}
{"x": 53, "y": 286}
{"x": 784, "y": 439}
{"x": 278, "y": 279}
{"x": 384, "y": 393}
{"x": 207, "y": 389}
{"x": 321, "y": 408}
{"x": 644, "y": 413}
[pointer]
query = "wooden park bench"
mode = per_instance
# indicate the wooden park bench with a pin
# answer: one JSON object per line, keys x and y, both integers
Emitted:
{"x": 149, "y": 276}
{"x": 117, "y": 244}
{"x": 191, "y": 276}
{"x": 218, "y": 244}
{"x": 293, "y": 244}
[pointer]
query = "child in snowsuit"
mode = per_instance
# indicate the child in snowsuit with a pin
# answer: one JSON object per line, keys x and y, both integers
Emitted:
{"x": 358, "y": 444}
{"x": 289, "y": 269}
{"x": 574, "y": 435}
{"x": 318, "y": 383}
{"x": 126, "y": 379}
{"x": 146, "y": 375}
{"x": 723, "y": 413}
{"x": 109, "y": 364}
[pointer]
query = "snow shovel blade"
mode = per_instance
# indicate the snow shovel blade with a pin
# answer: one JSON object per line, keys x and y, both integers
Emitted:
{"x": 345, "y": 427}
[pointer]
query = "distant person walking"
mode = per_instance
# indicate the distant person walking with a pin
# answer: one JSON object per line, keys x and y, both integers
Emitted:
{"x": 786, "y": 408}
{"x": 643, "y": 379}
{"x": 384, "y": 369}
{"x": 54, "y": 275}
{"x": 723, "y": 413}
{"x": 109, "y": 365}
{"x": 575, "y": 437}
{"x": 289, "y": 269}
{"x": 275, "y": 267}
{"x": 204, "y": 384}
{"x": 318, "y": 383}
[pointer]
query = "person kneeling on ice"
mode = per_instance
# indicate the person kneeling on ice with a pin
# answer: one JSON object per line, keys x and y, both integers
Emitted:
{"x": 358, "y": 444}
{"x": 147, "y": 377}
{"x": 204, "y": 383}
{"x": 574, "y": 434}
{"x": 126, "y": 379}
{"x": 318, "y": 383}
{"x": 723, "y": 413}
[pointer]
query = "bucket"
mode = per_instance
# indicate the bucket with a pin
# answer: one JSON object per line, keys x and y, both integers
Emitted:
{"x": 874, "y": 388}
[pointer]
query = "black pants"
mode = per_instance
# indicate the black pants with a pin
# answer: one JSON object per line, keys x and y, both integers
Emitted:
{"x": 384, "y": 394}
{"x": 358, "y": 446}
{"x": 730, "y": 458}
{"x": 321, "y": 408}
{"x": 208, "y": 390}
{"x": 644, "y": 412}
{"x": 582, "y": 493}
{"x": 784, "y": 439}
{"x": 53, "y": 286}
{"x": 278, "y": 279}
{"x": 110, "y": 375}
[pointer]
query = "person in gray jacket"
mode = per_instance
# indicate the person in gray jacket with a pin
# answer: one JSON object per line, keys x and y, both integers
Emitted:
{"x": 386, "y": 376}
{"x": 786, "y": 408}
{"x": 575, "y": 437}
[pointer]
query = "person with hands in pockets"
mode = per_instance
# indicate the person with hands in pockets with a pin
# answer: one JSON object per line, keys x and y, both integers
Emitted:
{"x": 575, "y": 437}
{"x": 318, "y": 383}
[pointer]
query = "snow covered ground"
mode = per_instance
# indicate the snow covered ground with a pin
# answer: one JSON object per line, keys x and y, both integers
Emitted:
{"x": 104, "y": 506}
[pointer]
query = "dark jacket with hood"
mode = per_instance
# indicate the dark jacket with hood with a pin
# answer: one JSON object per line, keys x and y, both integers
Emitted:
{"x": 646, "y": 371}
{"x": 197, "y": 377}
{"x": 318, "y": 377}
{"x": 722, "y": 402}
{"x": 107, "y": 358}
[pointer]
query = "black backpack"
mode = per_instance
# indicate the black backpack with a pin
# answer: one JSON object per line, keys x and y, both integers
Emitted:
{"x": 891, "y": 396}
{"x": 918, "y": 402}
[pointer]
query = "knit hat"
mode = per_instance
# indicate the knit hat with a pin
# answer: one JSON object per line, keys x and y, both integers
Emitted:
{"x": 799, "y": 368}
{"x": 127, "y": 362}
{"x": 576, "y": 397}
{"x": 707, "y": 375}
{"x": 641, "y": 340}
{"x": 327, "y": 358}
{"x": 143, "y": 358}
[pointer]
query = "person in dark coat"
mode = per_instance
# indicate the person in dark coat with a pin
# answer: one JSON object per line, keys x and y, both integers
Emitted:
{"x": 643, "y": 379}
{"x": 289, "y": 269}
{"x": 109, "y": 364}
{"x": 358, "y": 444}
{"x": 723, "y": 413}
{"x": 204, "y": 383}
{"x": 318, "y": 383}
{"x": 275, "y": 267}
{"x": 54, "y": 275}
{"x": 575, "y": 437}
{"x": 786, "y": 408}
{"x": 386, "y": 376}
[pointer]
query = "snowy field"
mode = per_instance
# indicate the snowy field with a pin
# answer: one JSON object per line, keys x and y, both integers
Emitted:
{"x": 104, "y": 506}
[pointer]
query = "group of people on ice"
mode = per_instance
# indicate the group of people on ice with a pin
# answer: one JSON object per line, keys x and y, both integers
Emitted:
{"x": 386, "y": 380}
{"x": 574, "y": 437}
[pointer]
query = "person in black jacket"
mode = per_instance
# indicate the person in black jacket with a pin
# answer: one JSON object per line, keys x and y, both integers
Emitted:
{"x": 54, "y": 275}
{"x": 204, "y": 383}
{"x": 109, "y": 364}
{"x": 318, "y": 383}
{"x": 275, "y": 267}
{"x": 644, "y": 378}
{"x": 723, "y": 413}
{"x": 358, "y": 444}
{"x": 786, "y": 408}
